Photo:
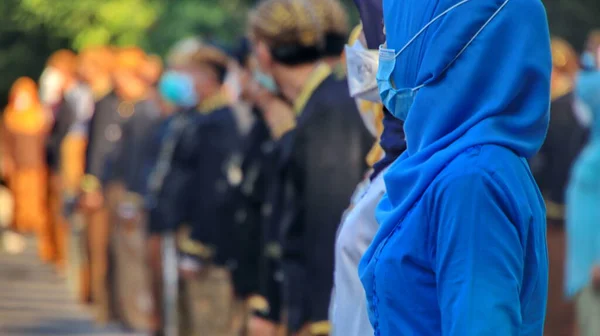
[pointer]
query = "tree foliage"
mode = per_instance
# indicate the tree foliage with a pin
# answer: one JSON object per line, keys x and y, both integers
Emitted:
{"x": 32, "y": 29}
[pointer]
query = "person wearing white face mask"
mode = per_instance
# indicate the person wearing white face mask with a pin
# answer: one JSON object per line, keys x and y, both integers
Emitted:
{"x": 348, "y": 313}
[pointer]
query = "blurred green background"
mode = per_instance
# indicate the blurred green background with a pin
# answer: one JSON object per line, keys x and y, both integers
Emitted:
{"x": 32, "y": 29}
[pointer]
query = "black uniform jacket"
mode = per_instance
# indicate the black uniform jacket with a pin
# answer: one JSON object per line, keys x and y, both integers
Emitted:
{"x": 129, "y": 165}
{"x": 552, "y": 166}
{"x": 64, "y": 119}
{"x": 165, "y": 180}
{"x": 247, "y": 198}
{"x": 320, "y": 163}
{"x": 105, "y": 133}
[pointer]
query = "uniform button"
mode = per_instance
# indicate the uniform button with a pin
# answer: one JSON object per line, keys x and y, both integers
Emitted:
{"x": 266, "y": 209}
{"x": 113, "y": 133}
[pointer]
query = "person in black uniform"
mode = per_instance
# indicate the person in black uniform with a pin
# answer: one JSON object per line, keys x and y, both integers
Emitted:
{"x": 178, "y": 93}
{"x": 104, "y": 137}
{"x": 194, "y": 193}
{"x": 130, "y": 170}
{"x": 319, "y": 162}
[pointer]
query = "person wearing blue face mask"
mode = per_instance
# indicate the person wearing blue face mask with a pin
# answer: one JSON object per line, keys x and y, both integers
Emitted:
{"x": 461, "y": 247}
{"x": 176, "y": 89}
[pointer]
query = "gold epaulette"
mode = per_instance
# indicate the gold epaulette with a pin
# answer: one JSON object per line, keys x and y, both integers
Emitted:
{"x": 320, "y": 328}
{"x": 259, "y": 304}
{"x": 189, "y": 246}
{"x": 213, "y": 103}
{"x": 90, "y": 183}
{"x": 555, "y": 211}
{"x": 319, "y": 74}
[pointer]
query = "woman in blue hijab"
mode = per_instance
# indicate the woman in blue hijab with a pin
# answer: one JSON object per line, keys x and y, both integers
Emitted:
{"x": 461, "y": 248}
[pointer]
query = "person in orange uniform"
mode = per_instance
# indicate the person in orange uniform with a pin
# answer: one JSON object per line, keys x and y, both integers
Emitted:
{"x": 25, "y": 125}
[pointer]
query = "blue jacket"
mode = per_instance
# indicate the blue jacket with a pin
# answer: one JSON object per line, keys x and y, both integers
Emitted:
{"x": 461, "y": 246}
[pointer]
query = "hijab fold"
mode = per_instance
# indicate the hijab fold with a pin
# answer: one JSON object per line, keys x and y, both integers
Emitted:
{"x": 497, "y": 92}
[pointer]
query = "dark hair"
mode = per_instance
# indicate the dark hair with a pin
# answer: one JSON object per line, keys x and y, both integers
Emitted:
{"x": 242, "y": 53}
{"x": 334, "y": 44}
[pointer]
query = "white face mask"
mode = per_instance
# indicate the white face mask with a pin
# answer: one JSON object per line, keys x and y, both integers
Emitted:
{"x": 362, "y": 70}
{"x": 51, "y": 83}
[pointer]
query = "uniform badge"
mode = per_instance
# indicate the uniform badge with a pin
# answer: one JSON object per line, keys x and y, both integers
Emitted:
{"x": 234, "y": 175}
{"x": 113, "y": 133}
{"x": 126, "y": 109}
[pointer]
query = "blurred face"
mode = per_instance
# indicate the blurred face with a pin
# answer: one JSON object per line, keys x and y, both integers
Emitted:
{"x": 23, "y": 100}
{"x": 52, "y": 83}
{"x": 129, "y": 85}
{"x": 204, "y": 80}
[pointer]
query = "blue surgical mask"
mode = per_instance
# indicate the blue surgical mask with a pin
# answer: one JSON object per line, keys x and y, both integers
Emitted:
{"x": 399, "y": 101}
{"x": 178, "y": 88}
{"x": 265, "y": 80}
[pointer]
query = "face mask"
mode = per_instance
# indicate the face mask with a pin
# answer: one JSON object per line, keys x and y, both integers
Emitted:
{"x": 399, "y": 101}
{"x": 362, "y": 69}
{"x": 51, "y": 82}
{"x": 265, "y": 80}
{"x": 178, "y": 88}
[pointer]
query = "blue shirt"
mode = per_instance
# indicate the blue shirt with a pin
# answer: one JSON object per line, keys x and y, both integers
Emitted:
{"x": 470, "y": 257}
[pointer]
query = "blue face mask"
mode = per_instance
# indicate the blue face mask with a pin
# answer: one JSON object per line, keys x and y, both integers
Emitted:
{"x": 266, "y": 81}
{"x": 178, "y": 89}
{"x": 399, "y": 101}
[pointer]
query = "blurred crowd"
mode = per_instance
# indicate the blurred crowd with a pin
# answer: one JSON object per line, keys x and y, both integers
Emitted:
{"x": 201, "y": 194}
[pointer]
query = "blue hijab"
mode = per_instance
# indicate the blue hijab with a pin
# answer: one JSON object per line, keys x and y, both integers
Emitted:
{"x": 496, "y": 92}
{"x": 583, "y": 195}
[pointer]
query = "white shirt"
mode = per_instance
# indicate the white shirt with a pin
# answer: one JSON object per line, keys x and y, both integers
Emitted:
{"x": 349, "y": 306}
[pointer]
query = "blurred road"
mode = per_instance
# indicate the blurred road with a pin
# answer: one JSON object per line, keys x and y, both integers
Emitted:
{"x": 35, "y": 301}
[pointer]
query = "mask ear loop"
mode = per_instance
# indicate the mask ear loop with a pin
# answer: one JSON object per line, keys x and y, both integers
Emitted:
{"x": 470, "y": 41}
{"x": 429, "y": 24}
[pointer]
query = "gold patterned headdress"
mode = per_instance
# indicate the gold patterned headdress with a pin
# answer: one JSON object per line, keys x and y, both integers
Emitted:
{"x": 287, "y": 24}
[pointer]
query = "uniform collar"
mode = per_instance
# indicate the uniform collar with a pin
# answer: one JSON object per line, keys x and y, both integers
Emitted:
{"x": 317, "y": 76}
{"x": 213, "y": 103}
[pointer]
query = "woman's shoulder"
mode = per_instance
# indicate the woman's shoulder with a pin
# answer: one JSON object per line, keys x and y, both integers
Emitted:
{"x": 493, "y": 171}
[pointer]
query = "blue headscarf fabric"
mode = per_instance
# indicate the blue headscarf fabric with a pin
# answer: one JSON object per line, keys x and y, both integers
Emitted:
{"x": 496, "y": 93}
{"x": 583, "y": 195}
